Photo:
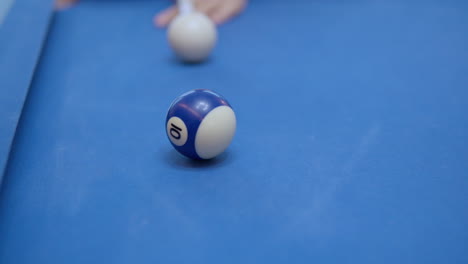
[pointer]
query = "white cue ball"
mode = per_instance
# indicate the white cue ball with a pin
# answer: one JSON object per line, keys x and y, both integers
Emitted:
{"x": 192, "y": 36}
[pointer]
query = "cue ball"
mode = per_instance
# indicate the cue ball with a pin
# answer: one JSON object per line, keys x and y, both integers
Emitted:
{"x": 200, "y": 124}
{"x": 192, "y": 36}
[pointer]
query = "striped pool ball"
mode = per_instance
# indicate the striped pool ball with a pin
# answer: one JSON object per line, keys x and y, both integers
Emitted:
{"x": 200, "y": 124}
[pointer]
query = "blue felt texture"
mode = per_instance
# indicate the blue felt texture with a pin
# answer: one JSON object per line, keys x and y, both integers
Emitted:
{"x": 350, "y": 148}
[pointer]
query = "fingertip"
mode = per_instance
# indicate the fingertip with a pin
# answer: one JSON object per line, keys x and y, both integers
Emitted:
{"x": 220, "y": 21}
{"x": 216, "y": 19}
{"x": 159, "y": 21}
{"x": 219, "y": 17}
{"x": 164, "y": 18}
{"x": 206, "y": 7}
{"x": 156, "y": 20}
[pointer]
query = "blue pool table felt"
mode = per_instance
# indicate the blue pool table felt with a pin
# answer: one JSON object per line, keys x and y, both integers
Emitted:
{"x": 350, "y": 148}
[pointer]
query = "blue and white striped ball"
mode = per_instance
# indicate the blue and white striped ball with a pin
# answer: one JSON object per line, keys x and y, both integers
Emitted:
{"x": 200, "y": 124}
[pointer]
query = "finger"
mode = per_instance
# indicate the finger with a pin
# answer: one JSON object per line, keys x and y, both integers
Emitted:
{"x": 164, "y": 18}
{"x": 205, "y": 6}
{"x": 224, "y": 13}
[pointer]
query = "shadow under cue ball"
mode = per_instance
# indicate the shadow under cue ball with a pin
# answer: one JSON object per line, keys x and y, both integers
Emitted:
{"x": 200, "y": 124}
{"x": 192, "y": 36}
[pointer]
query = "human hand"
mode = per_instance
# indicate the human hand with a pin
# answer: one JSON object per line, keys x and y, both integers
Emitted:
{"x": 218, "y": 10}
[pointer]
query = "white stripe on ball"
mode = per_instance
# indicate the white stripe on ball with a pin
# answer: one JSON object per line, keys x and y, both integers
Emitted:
{"x": 215, "y": 132}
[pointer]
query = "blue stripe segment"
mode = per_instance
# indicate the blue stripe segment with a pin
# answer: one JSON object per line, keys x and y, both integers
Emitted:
{"x": 192, "y": 107}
